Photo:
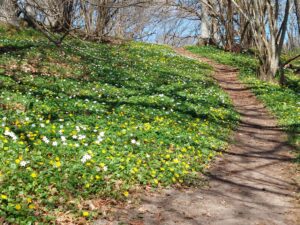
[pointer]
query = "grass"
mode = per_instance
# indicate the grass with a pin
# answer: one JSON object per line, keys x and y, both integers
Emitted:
{"x": 98, "y": 121}
{"x": 282, "y": 101}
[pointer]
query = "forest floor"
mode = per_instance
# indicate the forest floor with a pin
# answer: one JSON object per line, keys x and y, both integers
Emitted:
{"x": 254, "y": 182}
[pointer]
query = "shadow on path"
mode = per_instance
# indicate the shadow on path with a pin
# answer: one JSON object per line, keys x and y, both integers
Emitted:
{"x": 251, "y": 184}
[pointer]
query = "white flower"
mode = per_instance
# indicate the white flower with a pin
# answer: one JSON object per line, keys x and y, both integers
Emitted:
{"x": 135, "y": 142}
{"x": 99, "y": 137}
{"x": 81, "y": 136}
{"x": 63, "y": 138}
{"x": 85, "y": 158}
{"x": 11, "y": 134}
{"x": 46, "y": 140}
{"x": 105, "y": 168}
{"x": 78, "y": 128}
{"x": 54, "y": 143}
{"x": 42, "y": 125}
{"x": 23, "y": 163}
{"x": 77, "y": 145}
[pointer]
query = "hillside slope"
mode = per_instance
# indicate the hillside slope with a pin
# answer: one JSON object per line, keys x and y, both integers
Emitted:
{"x": 91, "y": 121}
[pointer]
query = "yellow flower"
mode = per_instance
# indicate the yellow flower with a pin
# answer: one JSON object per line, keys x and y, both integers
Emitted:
{"x": 85, "y": 214}
{"x": 58, "y": 164}
{"x": 17, "y": 161}
{"x": 176, "y": 161}
{"x": 4, "y": 196}
{"x": 31, "y": 206}
{"x": 134, "y": 170}
{"x": 29, "y": 200}
{"x": 147, "y": 126}
{"x": 18, "y": 207}
{"x": 33, "y": 175}
{"x": 125, "y": 193}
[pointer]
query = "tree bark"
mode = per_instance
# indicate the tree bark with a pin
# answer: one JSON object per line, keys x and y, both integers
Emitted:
{"x": 297, "y": 10}
{"x": 230, "y": 27}
{"x": 205, "y": 24}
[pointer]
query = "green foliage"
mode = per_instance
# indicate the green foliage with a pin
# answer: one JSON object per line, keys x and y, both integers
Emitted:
{"x": 283, "y": 101}
{"x": 94, "y": 120}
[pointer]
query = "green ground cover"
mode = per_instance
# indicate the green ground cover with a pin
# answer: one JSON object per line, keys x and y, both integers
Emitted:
{"x": 93, "y": 120}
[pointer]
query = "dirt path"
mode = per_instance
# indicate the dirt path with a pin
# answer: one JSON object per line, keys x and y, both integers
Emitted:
{"x": 251, "y": 184}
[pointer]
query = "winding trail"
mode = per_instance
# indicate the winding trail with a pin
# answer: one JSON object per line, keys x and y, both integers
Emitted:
{"x": 251, "y": 184}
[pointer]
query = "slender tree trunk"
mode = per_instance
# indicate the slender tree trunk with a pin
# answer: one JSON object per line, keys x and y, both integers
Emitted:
{"x": 205, "y": 24}
{"x": 65, "y": 21}
{"x": 230, "y": 27}
{"x": 270, "y": 58}
{"x": 297, "y": 10}
{"x": 103, "y": 19}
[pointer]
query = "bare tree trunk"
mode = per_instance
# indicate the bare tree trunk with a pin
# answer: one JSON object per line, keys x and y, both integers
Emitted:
{"x": 103, "y": 13}
{"x": 64, "y": 22}
{"x": 268, "y": 31}
{"x": 269, "y": 65}
{"x": 297, "y": 10}
{"x": 229, "y": 27}
{"x": 205, "y": 24}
